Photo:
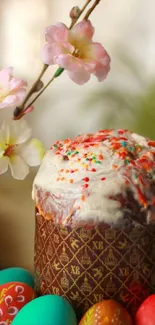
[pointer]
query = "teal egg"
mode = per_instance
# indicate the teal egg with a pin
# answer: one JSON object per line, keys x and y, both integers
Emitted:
{"x": 16, "y": 274}
{"x": 46, "y": 310}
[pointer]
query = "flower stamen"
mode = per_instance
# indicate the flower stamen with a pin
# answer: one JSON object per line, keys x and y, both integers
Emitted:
{"x": 9, "y": 150}
{"x": 77, "y": 53}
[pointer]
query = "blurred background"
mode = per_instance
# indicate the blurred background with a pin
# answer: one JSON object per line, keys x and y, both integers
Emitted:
{"x": 126, "y": 99}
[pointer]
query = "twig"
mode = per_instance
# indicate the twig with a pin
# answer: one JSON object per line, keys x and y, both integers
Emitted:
{"x": 56, "y": 75}
{"x": 80, "y": 13}
{"x": 91, "y": 9}
{"x": 31, "y": 91}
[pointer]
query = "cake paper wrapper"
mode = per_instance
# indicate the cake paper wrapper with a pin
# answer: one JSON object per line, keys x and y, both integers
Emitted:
{"x": 89, "y": 265}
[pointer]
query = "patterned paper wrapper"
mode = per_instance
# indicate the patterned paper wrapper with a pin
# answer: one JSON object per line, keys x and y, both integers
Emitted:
{"x": 89, "y": 265}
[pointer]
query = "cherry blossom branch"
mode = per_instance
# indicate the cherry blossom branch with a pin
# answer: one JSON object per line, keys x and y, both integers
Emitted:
{"x": 36, "y": 83}
{"x": 56, "y": 75}
{"x": 91, "y": 9}
{"x": 20, "y": 111}
{"x": 80, "y": 13}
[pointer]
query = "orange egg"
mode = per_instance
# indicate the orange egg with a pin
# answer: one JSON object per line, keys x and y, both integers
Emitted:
{"x": 13, "y": 296}
{"x": 106, "y": 312}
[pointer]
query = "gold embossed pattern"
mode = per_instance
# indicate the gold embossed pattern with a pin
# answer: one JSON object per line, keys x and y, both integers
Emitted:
{"x": 87, "y": 266}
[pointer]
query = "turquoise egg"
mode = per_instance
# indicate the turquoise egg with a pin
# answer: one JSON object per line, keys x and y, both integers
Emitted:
{"x": 16, "y": 274}
{"x": 46, "y": 310}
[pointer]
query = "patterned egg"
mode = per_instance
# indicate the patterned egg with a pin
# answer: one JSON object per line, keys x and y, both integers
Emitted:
{"x": 106, "y": 312}
{"x": 13, "y": 296}
{"x": 46, "y": 310}
{"x": 16, "y": 274}
{"x": 146, "y": 312}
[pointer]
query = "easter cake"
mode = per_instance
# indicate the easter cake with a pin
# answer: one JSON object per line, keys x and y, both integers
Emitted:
{"x": 95, "y": 212}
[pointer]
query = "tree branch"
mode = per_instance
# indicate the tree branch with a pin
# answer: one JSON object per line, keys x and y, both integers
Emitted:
{"x": 91, "y": 9}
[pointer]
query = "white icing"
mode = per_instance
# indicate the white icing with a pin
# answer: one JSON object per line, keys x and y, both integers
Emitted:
{"x": 98, "y": 204}
{"x": 139, "y": 139}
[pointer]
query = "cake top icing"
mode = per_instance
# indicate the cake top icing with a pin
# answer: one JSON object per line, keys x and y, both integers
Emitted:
{"x": 93, "y": 177}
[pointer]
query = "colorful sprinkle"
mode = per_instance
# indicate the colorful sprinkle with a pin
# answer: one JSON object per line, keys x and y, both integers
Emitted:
{"x": 132, "y": 160}
{"x": 85, "y": 186}
{"x": 65, "y": 158}
{"x": 66, "y": 140}
{"x": 123, "y": 143}
{"x": 151, "y": 143}
{"x": 115, "y": 166}
{"x": 69, "y": 153}
{"x": 127, "y": 161}
{"x": 86, "y": 179}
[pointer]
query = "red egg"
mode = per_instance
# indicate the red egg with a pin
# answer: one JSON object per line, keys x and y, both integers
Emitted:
{"x": 106, "y": 312}
{"x": 146, "y": 312}
{"x": 13, "y": 296}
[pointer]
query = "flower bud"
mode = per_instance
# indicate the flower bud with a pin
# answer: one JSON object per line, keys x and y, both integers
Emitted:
{"x": 74, "y": 13}
{"x": 17, "y": 111}
{"x": 39, "y": 86}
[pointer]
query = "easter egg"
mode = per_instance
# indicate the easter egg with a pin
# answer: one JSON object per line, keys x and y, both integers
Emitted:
{"x": 18, "y": 274}
{"x": 13, "y": 296}
{"x": 46, "y": 310}
{"x": 106, "y": 312}
{"x": 146, "y": 313}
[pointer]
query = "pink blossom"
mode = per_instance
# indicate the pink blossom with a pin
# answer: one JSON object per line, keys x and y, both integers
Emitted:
{"x": 12, "y": 90}
{"x": 75, "y": 51}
